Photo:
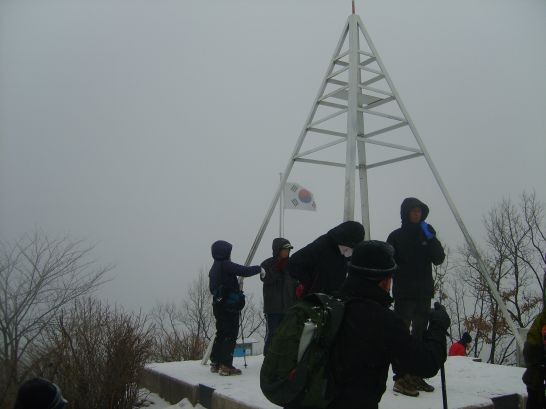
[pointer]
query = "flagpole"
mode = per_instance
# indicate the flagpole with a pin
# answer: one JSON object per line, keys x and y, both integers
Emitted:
{"x": 281, "y": 205}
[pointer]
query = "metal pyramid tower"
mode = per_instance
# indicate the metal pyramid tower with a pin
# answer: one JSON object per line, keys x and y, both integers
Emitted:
{"x": 357, "y": 105}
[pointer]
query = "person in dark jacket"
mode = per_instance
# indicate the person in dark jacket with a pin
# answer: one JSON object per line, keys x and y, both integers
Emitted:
{"x": 322, "y": 265}
{"x": 227, "y": 302}
{"x": 416, "y": 249}
{"x": 534, "y": 354}
{"x": 372, "y": 336}
{"x": 460, "y": 347}
{"x": 39, "y": 393}
{"x": 279, "y": 287}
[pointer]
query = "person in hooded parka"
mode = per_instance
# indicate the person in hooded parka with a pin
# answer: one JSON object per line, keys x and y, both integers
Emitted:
{"x": 279, "y": 289}
{"x": 321, "y": 266}
{"x": 227, "y": 302}
{"x": 416, "y": 249}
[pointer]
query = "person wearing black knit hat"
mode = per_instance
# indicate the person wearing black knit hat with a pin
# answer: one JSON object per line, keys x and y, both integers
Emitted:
{"x": 459, "y": 348}
{"x": 39, "y": 393}
{"x": 372, "y": 336}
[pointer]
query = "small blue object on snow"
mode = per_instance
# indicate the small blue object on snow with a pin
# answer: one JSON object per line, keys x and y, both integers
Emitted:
{"x": 239, "y": 352}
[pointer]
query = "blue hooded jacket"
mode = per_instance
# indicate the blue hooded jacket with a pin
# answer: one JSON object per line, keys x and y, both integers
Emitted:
{"x": 224, "y": 272}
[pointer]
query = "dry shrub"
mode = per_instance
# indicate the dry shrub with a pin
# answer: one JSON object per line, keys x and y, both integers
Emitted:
{"x": 96, "y": 354}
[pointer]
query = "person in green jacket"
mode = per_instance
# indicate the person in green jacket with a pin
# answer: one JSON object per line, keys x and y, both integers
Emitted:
{"x": 534, "y": 355}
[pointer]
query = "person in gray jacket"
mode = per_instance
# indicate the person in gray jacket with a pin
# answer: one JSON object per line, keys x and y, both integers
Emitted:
{"x": 279, "y": 287}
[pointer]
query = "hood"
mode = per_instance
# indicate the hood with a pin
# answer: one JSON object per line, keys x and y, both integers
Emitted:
{"x": 221, "y": 250}
{"x": 466, "y": 339}
{"x": 408, "y": 204}
{"x": 278, "y": 244}
{"x": 348, "y": 233}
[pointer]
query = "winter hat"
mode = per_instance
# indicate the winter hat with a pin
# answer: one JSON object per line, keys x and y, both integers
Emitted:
{"x": 280, "y": 243}
{"x": 221, "y": 250}
{"x": 466, "y": 339}
{"x": 39, "y": 393}
{"x": 373, "y": 260}
{"x": 348, "y": 233}
{"x": 410, "y": 203}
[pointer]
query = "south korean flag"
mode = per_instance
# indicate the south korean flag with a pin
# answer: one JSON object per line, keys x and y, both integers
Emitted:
{"x": 297, "y": 197}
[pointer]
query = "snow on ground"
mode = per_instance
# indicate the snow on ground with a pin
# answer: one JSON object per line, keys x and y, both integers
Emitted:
{"x": 243, "y": 388}
{"x": 153, "y": 401}
{"x": 468, "y": 383}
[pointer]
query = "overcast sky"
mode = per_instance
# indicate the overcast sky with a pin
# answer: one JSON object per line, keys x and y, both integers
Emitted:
{"x": 154, "y": 128}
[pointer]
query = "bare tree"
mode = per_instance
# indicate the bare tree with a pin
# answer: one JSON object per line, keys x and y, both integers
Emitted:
{"x": 182, "y": 331}
{"x": 533, "y": 215}
{"x": 197, "y": 308}
{"x": 252, "y": 320}
{"x": 38, "y": 276}
{"x": 451, "y": 293}
{"x": 169, "y": 333}
{"x": 440, "y": 275}
{"x": 513, "y": 249}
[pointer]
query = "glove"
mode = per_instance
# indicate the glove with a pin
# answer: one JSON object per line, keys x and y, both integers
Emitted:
{"x": 262, "y": 274}
{"x": 425, "y": 228}
{"x": 300, "y": 291}
{"x": 439, "y": 318}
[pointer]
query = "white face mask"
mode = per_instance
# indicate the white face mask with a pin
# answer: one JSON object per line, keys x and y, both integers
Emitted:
{"x": 346, "y": 251}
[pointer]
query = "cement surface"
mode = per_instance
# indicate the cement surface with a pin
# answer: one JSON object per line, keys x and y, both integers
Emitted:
{"x": 469, "y": 385}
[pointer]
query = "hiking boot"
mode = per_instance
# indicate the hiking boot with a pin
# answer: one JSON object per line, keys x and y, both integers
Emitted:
{"x": 421, "y": 385}
{"x": 404, "y": 386}
{"x": 225, "y": 370}
{"x": 214, "y": 367}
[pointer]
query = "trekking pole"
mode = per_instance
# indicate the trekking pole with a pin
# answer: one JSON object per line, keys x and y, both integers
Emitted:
{"x": 241, "y": 281}
{"x": 543, "y": 335}
{"x": 208, "y": 351}
{"x": 444, "y": 391}
{"x": 242, "y": 336}
{"x": 442, "y": 369}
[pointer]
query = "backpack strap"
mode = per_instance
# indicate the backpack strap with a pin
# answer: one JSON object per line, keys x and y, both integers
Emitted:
{"x": 336, "y": 309}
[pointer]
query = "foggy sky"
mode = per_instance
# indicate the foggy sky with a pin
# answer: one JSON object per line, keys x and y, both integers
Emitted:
{"x": 153, "y": 128}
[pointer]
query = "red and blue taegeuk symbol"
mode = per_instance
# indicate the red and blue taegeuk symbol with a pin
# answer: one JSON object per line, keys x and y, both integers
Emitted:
{"x": 305, "y": 196}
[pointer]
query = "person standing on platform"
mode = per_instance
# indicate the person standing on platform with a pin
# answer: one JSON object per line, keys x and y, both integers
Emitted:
{"x": 416, "y": 250}
{"x": 321, "y": 266}
{"x": 372, "y": 336}
{"x": 534, "y": 354}
{"x": 227, "y": 302}
{"x": 279, "y": 288}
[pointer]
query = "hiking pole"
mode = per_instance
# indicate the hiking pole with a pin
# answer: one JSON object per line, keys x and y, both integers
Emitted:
{"x": 444, "y": 392}
{"x": 242, "y": 336}
{"x": 241, "y": 280}
{"x": 543, "y": 334}
{"x": 437, "y": 305}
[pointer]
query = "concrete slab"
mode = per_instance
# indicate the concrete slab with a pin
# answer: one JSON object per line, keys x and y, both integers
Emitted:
{"x": 469, "y": 385}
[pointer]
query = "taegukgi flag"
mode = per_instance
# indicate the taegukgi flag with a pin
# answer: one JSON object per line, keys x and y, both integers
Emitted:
{"x": 297, "y": 197}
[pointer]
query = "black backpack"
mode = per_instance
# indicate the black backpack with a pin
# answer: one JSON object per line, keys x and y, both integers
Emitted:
{"x": 233, "y": 301}
{"x": 295, "y": 370}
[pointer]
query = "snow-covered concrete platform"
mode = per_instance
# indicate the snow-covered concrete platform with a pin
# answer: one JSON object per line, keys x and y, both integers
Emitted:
{"x": 469, "y": 385}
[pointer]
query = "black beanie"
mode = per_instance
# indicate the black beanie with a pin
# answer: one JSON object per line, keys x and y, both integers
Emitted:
{"x": 372, "y": 260}
{"x": 39, "y": 393}
{"x": 466, "y": 339}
